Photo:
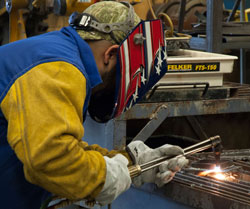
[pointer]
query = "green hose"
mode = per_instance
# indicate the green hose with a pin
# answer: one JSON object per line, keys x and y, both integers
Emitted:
{"x": 46, "y": 203}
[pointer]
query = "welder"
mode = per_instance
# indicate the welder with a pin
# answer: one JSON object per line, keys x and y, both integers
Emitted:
{"x": 47, "y": 84}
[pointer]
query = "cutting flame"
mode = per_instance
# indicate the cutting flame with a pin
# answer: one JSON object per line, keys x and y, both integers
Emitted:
{"x": 217, "y": 173}
{"x": 220, "y": 176}
{"x": 216, "y": 170}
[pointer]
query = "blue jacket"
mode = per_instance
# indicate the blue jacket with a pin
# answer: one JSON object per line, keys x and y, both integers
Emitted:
{"x": 16, "y": 60}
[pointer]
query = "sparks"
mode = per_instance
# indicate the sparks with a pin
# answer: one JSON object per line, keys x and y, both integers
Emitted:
{"x": 218, "y": 174}
{"x": 215, "y": 170}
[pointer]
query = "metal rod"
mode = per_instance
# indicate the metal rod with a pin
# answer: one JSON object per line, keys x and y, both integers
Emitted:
{"x": 242, "y": 51}
{"x": 236, "y": 152}
{"x": 214, "y": 183}
{"x": 210, "y": 190}
{"x": 232, "y": 190}
{"x": 181, "y": 15}
{"x": 214, "y": 25}
{"x": 235, "y": 7}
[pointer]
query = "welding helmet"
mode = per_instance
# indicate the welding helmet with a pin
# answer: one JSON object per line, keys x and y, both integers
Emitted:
{"x": 141, "y": 60}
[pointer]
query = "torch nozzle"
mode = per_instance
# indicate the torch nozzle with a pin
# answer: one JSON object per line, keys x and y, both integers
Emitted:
{"x": 217, "y": 149}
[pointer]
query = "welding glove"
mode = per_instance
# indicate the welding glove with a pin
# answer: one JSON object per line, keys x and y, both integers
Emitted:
{"x": 117, "y": 179}
{"x": 141, "y": 153}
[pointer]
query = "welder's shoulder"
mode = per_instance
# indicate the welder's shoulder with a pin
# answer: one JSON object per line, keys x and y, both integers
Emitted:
{"x": 58, "y": 76}
{"x": 56, "y": 71}
{"x": 44, "y": 60}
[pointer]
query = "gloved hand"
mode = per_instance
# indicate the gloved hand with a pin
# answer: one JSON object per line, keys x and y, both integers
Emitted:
{"x": 141, "y": 153}
{"x": 117, "y": 179}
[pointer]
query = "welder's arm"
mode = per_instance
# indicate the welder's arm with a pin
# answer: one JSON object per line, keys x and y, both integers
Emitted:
{"x": 44, "y": 109}
{"x": 141, "y": 153}
{"x": 106, "y": 152}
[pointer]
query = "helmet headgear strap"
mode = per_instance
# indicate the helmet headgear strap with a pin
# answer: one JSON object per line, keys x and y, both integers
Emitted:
{"x": 85, "y": 21}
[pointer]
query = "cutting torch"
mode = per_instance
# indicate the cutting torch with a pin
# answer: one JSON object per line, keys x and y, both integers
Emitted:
{"x": 212, "y": 142}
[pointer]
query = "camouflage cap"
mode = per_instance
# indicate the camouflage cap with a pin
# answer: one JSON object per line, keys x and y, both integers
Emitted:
{"x": 108, "y": 12}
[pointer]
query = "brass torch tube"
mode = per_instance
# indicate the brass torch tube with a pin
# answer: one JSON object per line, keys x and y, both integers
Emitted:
{"x": 136, "y": 170}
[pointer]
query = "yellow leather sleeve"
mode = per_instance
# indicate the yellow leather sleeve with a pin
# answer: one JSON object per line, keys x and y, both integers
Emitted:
{"x": 44, "y": 109}
{"x": 111, "y": 153}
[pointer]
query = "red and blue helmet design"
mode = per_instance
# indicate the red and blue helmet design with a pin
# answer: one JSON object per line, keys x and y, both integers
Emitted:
{"x": 142, "y": 62}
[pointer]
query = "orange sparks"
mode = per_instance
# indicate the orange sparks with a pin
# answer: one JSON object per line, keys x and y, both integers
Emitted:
{"x": 215, "y": 170}
{"x": 217, "y": 174}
